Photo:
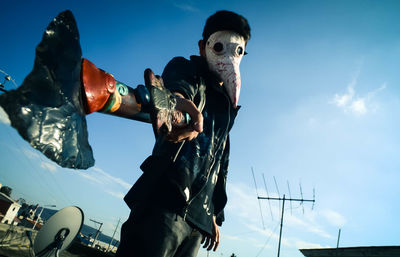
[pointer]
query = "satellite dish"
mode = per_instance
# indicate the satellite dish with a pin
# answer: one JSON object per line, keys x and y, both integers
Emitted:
{"x": 59, "y": 231}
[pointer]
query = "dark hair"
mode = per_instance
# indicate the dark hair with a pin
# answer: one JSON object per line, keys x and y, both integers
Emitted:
{"x": 226, "y": 20}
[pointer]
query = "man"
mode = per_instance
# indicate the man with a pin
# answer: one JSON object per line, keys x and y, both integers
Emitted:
{"x": 178, "y": 202}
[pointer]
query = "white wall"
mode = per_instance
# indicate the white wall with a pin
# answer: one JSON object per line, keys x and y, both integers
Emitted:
{"x": 11, "y": 213}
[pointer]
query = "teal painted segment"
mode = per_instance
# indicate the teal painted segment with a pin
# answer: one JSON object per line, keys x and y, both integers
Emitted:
{"x": 188, "y": 118}
{"x": 122, "y": 88}
{"x": 108, "y": 107}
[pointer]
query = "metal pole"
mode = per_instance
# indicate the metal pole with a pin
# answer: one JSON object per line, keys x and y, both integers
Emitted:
{"x": 97, "y": 234}
{"x": 112, "y": 239}
{"x": 280, "y": 232}
{"x": 283, "y": 211}
{"x": 36, "y": 221}
{"x": 40, "y": 213}
{"x": 337, "y": 245}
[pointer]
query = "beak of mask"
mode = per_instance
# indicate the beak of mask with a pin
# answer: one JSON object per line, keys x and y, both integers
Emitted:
{"x": 224, "y": 51}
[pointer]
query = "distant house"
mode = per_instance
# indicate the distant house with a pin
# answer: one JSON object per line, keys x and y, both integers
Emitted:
{"x": 8, "y": 210}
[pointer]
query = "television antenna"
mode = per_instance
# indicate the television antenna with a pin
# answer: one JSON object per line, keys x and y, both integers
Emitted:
{"x": 59, "y": 231}
{"x": 283, "y": 200}
{"x": 259, "y": 203}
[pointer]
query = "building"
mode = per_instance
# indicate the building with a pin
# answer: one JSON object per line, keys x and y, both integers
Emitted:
{"x": 8, "y": 210}
{"x": 361, "y": 251}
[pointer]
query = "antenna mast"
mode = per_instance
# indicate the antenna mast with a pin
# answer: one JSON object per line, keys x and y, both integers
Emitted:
{"x": 284, "y": 199}
{"x": 97, "y": 232}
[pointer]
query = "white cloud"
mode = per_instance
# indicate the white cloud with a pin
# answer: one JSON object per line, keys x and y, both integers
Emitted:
{"x": 48, "y": 166}
{"x": 88, "y": 176}
{"x": 243, "y": 203}
{"x": 266, "y": 232}
{"x": 109, "y": 183}
{"x": 318, "y": 231}
{"x": 345, "y": 99}
{"x": 306, "y": 245}
{"x": 4, "y": 117}
{"x": 110, "y": 178}
{"x": 118, "y": 195}
{"x": 334, "y": 218}
{"x": 356, "y": 104}
{"x": 265, "y": 244}
{"x": 109, "y": 229}
{"x": 310, "y": 225}
{"x": 235, "y": 238}
{"x": 186, "y": 7}
{"x": 373, "y": 93}
{"x": 30, "y": 153}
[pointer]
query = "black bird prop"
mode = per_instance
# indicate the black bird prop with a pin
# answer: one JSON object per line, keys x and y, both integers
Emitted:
{"x": 50, "y": 106}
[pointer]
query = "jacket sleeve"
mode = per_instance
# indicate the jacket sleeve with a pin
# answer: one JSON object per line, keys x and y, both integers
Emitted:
{"x": 180, "y": 76}
{"x": 220, "y": 197}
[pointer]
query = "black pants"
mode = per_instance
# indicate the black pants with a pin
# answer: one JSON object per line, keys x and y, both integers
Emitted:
{"x": 158, "y": 233}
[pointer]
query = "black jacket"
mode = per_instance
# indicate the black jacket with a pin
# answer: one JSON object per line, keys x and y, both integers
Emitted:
{"x": 191, "y": 177}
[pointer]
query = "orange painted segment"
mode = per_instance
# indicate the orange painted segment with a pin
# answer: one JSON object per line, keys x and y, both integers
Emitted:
{"x": 98, "y": 86}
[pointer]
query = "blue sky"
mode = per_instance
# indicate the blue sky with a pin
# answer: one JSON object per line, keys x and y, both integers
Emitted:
{"x": 320, "y": 106}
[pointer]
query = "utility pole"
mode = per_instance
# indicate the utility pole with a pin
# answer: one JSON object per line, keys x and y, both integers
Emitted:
{"x": 38, "y": 217}
{"x": 280, "y": 230}
{"x": 338, "y": 239}
{"x": 98, "y": 231}
{"x": 283, "y": 211}
{"x": 112, "y": 239}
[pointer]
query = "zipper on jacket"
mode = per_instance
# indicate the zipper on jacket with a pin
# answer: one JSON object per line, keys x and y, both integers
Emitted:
{"x": 213, "y": 162}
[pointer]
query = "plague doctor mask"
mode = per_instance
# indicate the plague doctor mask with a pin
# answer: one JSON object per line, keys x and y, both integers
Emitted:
{"x": 224, "y": 51}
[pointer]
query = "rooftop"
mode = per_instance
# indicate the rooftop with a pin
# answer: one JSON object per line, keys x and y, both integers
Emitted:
{"x": 361, "y": 251}
{"x": 6, "y": 198}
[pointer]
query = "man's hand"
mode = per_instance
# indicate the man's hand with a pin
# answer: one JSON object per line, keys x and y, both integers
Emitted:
{"x": 164, "y": 110}
{"x": 196, "y": 126}
{"x": 212, "y": 241}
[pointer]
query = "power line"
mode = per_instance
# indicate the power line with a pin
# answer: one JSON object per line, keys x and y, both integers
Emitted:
{"x": 266, "y": 242}
{"x": 59, "y": 188}
{"x": 33, "y": 168}
{"x": 42, "y": 181}
{"x": 36, "y": 175}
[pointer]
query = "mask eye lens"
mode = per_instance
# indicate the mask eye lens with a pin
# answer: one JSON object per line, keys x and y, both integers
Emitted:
{"x": 218, "y": 47}
{"x": 239, "y": 50}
